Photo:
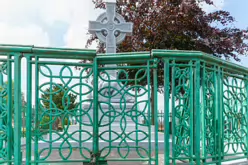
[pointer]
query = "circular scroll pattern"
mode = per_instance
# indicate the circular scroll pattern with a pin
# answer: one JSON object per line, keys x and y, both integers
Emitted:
{"x": 182, "y": 110}
{"x": 67, "y": 82}
{"x": 235, "y": 118}
{"x": 124, "y": 130}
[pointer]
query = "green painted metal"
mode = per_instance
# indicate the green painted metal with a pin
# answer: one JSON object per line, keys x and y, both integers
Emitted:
{"x": 166, "y": 111}
{"x": 156, "y": 114}
{"x": 123, "y": 150}
{"x": 204, "y": 120}
{"x": 6, "y": 139}
{"x": 197, "y": 113}
{"x": 17, "y": 109}
{"x": 96, "y": 117}
{"x": 29, "y": 112}
{"x": 149, "y": 151}
{"x": 220, "y": 113}
{"x": 9, "y": 113}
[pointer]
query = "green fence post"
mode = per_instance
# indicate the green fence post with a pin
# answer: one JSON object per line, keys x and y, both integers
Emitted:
{"x": 218, "y": 115}
{"x": 203, "y": 111}
{"x": 17, "y": 110}
{"x": 246, "y": 85}
{"x": 221, "y": 122}
{"x": 1, "y": 119}
{"x": 95, "y": 117}
{"x": 173, "y": 132}
{"x": 197, "y": 112}
{"x": 149, "y": 111}
{"x": 166, "y": 112}
{"x": 29, "y": 110}
{"x": 10, "y": 107}
{"x": 36, "y": 120}
{"x": 191, "y": 107}
{"x": 155, "y": 100}
{"x": 216, "y": 109}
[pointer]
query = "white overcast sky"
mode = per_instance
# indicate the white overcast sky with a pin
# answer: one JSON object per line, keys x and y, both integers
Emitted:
{"x": 56, "y": 23}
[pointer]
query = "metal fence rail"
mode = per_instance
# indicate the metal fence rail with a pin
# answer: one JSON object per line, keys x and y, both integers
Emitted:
{"x": 204, "y": 120}
{"x": 209, "y": 108}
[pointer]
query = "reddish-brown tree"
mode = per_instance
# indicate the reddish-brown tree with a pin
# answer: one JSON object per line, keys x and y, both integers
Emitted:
{"x": 178, "y": 24}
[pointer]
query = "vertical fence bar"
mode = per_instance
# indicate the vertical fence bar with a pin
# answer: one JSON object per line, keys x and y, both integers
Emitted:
{"x": 216, "y": 109}
{"x": 50, "y": 98}
{"x": 149, "y": 111}
{"x": 203, "y": 111}
{"x": 173, "y": 110}
{"x": 217, "y": 115}
{"x": 36, "y": 126}
{"x": 2, "y": 123}
{"x": 80, "y": 118}
{"x": 136, "y": 107}
{"x": 155, "y": 101}
{"x": 1, "y": 102}
{"x": 220, "y": 114}
{"x": 246, "y": 86}
{"x": 197, "y": 114}
{"x": 166, "y": 112}
{"x": 17, "y": 110}
{"x": 29, "y": 111}
{"x": 191, "y": 118}
{"x": 10, "y": 106}
{"x": 95, "y": 104}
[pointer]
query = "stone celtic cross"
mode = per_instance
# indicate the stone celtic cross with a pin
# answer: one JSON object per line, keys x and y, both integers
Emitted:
{"x": 110, "y": 27}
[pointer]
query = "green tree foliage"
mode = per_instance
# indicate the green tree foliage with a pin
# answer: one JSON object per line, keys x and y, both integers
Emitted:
{"x": 62, "y": 99}
{"x": 5, "y": 100}
{"x": 3, "y": 90}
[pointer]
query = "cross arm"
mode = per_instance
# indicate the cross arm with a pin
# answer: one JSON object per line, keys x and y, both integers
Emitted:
{"x": 95, "y": 26}
{"x": 125, "y": 27}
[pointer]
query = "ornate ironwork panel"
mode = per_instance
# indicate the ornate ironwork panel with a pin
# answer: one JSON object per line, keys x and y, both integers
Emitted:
{"x": 125, "y": 127}
{"x": 6, "y": 109}
{"x": 208, "y": 101}
{"x": 208, "y": 111}
{"x": 234, "y": 115}
{"x": 62, "y": 129}
{"x": 182, "y": 109}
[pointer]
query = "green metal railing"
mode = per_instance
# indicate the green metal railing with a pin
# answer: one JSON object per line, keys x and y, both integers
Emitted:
{"x": 208, "y": 99}
{"x": 204, "y": 120}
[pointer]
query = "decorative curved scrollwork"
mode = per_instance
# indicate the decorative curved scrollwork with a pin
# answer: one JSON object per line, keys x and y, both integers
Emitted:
{"x": 4, "y": 111}
{"x": 235, "y": 115}
{"x": 62, "y": 92}
{"x": 182, "y": 111}
{"x": 123, "y": 102}
{"x": 209, "y": 112}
